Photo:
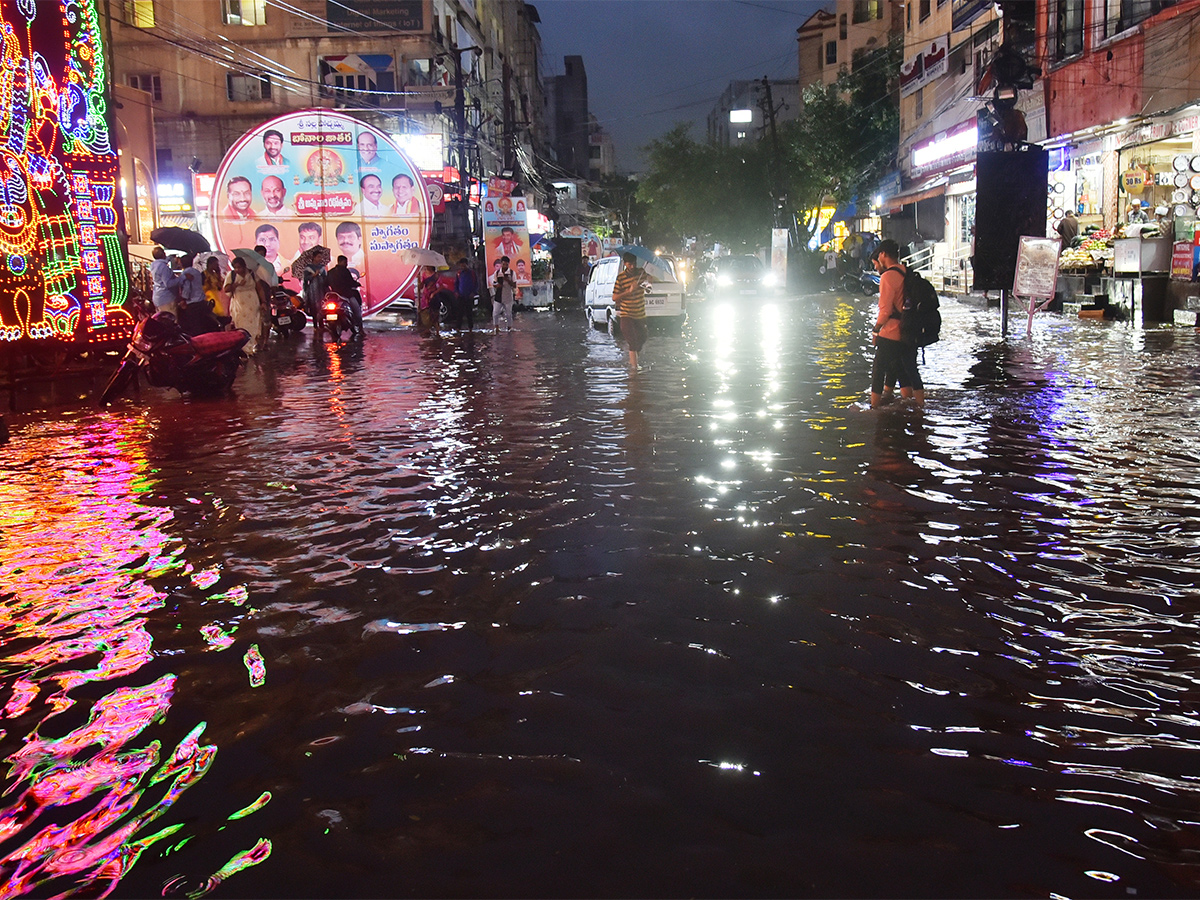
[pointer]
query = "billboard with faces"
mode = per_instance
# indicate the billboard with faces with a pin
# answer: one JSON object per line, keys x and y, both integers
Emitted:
{"x": 321, "y": 177}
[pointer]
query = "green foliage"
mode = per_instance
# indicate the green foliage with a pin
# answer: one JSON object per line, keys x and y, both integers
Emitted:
{"x": 842, "y": 143}
{"x": 716, "y": 193}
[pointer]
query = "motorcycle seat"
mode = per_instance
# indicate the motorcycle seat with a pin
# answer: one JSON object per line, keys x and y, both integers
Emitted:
{"x": 219, "y": 341}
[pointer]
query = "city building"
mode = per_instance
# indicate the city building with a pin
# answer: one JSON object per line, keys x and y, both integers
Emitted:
{"x": 569, "y": 102}
{"x": 454, "y": 80}
{"x": 830, "y": 42}
{"x": 740, "y": 116}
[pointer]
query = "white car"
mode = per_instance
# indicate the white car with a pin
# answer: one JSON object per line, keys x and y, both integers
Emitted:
{"x": 664, "y": 298}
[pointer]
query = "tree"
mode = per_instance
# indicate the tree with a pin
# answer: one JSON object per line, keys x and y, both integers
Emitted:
{"x": 715, "y": 193}
{"x": 845, "y": 139}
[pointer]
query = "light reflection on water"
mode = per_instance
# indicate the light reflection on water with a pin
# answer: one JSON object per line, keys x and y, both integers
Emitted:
{"x": 492, "y": 616}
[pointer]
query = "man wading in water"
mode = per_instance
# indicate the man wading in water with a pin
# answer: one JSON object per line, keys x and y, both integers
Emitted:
{"x": 629, "y": 297}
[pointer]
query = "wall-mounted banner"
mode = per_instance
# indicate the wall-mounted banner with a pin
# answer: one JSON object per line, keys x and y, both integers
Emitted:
{"x": 929, "y": 63}
{"x": 323, "y": 177}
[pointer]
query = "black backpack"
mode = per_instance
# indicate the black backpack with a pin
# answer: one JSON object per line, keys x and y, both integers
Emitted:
{"x": 920, "y": 320}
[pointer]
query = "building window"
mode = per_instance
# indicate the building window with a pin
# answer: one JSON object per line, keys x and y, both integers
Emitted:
{"x": 165, "y": 161}
{"x": 1119, "y": 15}
{"x": 842, "y": 27}
{"x": 866, "y": 10}
{"x": 831, "y": 53}
{"x": 139, "y": 13}
{"x": 151, "y": 84}
{"x": 908, "y": 17}
{"x": 244, "y": 88}
{"x": 361, "y": 79}
{"x": 919, "y": 111}
{"x": 244, "y": 12}
{"x": 924, "y": 11}
{"x": 1065, "y": 28}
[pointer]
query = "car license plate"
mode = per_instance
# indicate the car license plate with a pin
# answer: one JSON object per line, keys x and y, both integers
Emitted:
{"x": 331, "y": 317}
{"x": 749, "y": 291}
{"x": 656, "y": 301}
{"x": 285, "y": 320}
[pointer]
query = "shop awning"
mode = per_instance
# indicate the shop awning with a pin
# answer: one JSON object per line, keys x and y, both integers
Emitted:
{"x": 930, "y": 187}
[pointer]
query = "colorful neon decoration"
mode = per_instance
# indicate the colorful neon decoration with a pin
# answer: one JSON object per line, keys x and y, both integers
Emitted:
{"x": 323, "y": 177}
{"x": 62, "y": 271}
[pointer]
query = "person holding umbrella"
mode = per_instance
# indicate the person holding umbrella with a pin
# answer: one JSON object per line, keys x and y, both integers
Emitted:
{"x": 629, "y": 297}
{"x": 166, "y": 282}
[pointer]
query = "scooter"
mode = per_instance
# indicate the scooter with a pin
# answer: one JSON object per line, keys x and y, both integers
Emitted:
{"x": 862, "y": 282}
{"x": 196, "y": 364}
{"x": 335, "y": 317}
{"x": 287, "y": 315}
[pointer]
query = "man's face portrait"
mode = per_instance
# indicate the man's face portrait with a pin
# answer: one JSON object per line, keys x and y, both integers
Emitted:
{"x": 350, "y": 241}
{"x": 368, "y": 147}
{"x": 273, "y": 144}
{"x": 240, "y": 196}
{"x": 273, "y": 193}
{"x": 372, "y": 189}
{"x": 402, "y": 188}
{"x": 309, "y": 238}
{"x": 269, "y": 238}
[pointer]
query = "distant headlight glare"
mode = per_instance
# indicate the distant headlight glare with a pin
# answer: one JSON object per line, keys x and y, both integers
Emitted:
{"x": 725, "y": 279}
{"x": 769, "y": 279}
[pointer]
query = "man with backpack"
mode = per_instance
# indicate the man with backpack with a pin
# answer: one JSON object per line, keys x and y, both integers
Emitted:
{"x": 895, "y": 359}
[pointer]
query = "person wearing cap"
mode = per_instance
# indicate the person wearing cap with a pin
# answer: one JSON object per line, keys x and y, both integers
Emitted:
{"x": 895, "y": 361}
{"x": 629, "y": 298}
{"x": 1137, "y": 215}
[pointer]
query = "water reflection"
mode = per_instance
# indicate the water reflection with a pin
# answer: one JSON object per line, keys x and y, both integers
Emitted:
{"x": 480, "y": 614}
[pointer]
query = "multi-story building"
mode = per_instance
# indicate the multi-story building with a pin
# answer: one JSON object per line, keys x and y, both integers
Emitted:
{"x": 739, "y": 116}
{"x": 465, "y": 72}
{"x": 831, "y": 42}
{"x": 949, "y": 46}
{"x": 602, "y": 155}
{"x": 569, "y": 100}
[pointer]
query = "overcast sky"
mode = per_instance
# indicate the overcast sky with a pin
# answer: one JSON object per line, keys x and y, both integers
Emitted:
{"x": 654, "y": 63}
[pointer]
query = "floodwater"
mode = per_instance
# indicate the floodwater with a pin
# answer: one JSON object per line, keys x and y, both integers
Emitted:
{"x": 491, "y": 617}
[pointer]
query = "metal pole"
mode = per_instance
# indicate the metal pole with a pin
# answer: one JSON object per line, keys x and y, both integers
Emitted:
{"x": 1003, "y": 313}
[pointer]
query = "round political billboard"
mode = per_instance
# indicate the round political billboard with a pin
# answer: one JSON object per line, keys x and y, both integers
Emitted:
{"x": 320, "y": 177}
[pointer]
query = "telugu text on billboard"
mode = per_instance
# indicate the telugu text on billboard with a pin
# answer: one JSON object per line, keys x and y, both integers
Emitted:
{"x": 324, "y": 178}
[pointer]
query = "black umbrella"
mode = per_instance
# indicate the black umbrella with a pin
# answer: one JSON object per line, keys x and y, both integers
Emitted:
{"x": 181, "y": 239}
{"x": 318, "y": 257}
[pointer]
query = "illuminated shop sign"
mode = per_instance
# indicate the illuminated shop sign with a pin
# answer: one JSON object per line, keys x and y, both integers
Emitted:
{"x": 946, "y": 150}
{"x": 62, "y": 273}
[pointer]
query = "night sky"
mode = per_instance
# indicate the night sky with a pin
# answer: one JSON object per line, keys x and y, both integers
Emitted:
{"x": 654, "y": 63}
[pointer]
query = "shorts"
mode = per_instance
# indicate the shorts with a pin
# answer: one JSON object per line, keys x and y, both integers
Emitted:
{"x": 895, "y": 362}
{"x": 634, "y": 332}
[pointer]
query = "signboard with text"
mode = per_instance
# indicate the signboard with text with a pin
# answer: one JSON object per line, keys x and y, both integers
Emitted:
{"x": 506, "y": 233}
{"x": 323, "y": 177}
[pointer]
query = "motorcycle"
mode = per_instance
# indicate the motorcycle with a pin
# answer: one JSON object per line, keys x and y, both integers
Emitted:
{"x": 195, "y": 364}
{"x": 862, "y": 282}
{"x": 287, "y": 314}
{"x": 335, "y": 317}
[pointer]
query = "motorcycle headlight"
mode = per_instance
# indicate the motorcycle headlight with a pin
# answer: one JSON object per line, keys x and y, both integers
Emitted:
{"x": 769, "y": 279}
{"x": 725, "y": 279}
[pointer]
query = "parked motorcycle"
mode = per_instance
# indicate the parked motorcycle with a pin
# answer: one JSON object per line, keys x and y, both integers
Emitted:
{"x": 287, "y": 313}
{"x": 863, "y": 282}
{"x": 335, "y": 317}
{"x": 196, "y": 364}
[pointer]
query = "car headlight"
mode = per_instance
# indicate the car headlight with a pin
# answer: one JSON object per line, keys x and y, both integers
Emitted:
{"x": 725, "y": 279}
{"x": 769, "y": 279}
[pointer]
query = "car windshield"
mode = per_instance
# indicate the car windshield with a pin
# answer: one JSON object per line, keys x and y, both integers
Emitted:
{"x": 741, "y": 265}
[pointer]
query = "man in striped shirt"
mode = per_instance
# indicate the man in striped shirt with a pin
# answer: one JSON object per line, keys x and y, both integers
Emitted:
{"x": 629, "y": 297}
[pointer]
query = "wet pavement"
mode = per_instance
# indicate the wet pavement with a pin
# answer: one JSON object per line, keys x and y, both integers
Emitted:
{"x": 489, "y": 616}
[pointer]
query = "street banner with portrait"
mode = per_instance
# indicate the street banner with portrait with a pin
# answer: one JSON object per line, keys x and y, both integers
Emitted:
{"x": 506, "y": 233}
{"x": 320, "y": 177}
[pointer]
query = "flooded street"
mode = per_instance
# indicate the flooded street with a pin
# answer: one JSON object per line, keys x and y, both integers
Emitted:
{"x": 490, "y": 617}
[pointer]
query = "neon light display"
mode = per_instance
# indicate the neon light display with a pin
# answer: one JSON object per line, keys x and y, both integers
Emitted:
{"x": 322, "y": 177}
{"x": 62, "y": 271}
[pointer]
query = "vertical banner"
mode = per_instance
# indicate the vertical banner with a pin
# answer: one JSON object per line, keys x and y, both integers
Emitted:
{"x": 506, "y": 233}
{"x": 320, "y": 177}
{"x": 62, "y": 269}
{"x": 779, "y": 255}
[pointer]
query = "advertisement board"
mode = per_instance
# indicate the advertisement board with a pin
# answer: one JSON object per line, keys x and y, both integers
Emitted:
{"x": 506, "y": 233}
{"x": 323, "y": 177}
{"x": 64, "y": 274}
